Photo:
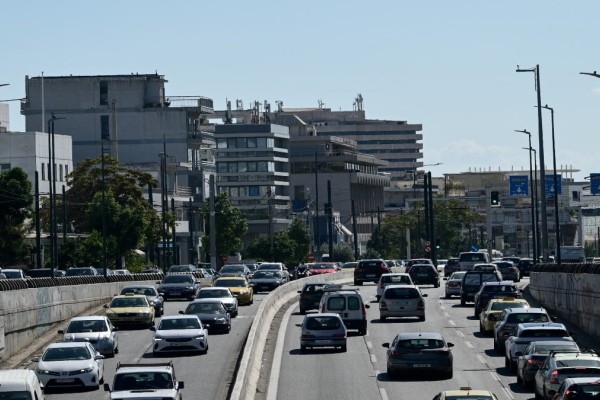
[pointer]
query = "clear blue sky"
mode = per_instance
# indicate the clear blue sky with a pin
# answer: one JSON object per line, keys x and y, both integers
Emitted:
{"x": 449, "y": 65}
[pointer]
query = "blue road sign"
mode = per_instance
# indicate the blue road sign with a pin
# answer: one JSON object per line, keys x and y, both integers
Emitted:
{"x": 595, "y": 184}
{"x": 474, "y": 247}
{"x": 519, "y": 185}
{"x": 550, "y": 189}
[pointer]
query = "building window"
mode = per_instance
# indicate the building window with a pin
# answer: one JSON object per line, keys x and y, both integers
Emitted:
{"x": 61, "y": 173}
{"x": 252, "y": 143}
{"x": 103, "y": 93}
{"x": 253, "y": 191}
{"x": 104, "y": 127}
{"x": 66, "y": 171}
{"x": 43, "y": 172}
{"x": 49, "y": 176}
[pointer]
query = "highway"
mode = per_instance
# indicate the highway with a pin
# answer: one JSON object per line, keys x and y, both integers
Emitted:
{"x": 205, "y": 376}
{"x": 361, "y": 371}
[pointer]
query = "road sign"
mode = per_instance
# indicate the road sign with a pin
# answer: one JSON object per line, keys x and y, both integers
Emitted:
{"x": 474, "y": 247}
{"x": 519, "y": 185}
{"x": 427, "y": 249}
{"x": 595, "y": 184}
{"x": 427, "y": 243}
{"x": 550, "y": 189}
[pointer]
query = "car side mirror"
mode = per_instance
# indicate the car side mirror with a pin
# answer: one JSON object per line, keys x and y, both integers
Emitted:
{"x": 386, "y": 345}
{"x": 105, "y": 306}
{"x": 181, "y": 312}
{"x": 450, "y": 344}
{"x": 299, "y": 325}
{"x": 61, "y": 332}
{"x": 35, "y": 359}
{"x": 98, "y": 357}
{"x": 299, "y": 291}
{"x": 425, "y": 295}
{"x": 518, "y": 353}
{"x": 445, "y": 278}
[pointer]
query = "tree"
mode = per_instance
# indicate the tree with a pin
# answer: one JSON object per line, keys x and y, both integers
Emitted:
{"x": 231, "y": 226}
{"x": 299, "y": 233}
{"x": 15, "y": 208}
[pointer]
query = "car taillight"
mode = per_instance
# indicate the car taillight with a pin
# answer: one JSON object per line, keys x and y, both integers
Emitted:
{"x": 364, "y": 311}
{"x": 398, "y": 352}
{"x": 383, "y": 267}
{"x": 421, "y": 305}
{"x": 338, "y": 335}
{"x": 382, "y": 305}
{"x": 554, "y": 377}
{"x": 308, "y": 336}
{"x": 533, "y": 362}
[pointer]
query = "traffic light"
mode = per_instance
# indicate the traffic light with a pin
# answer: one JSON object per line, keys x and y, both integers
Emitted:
{"x": 495, "y": 199}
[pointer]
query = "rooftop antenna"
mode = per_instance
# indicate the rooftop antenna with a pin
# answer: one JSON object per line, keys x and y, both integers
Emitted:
{"x": 321, "y": 104}
{"x": 255, "y": 113}
{"x": 358, "y": 103}
{"x": 279, "y": 105}
{"x": 228, "y": 118}
{"x": 267, "y": 111}
{"x": 239, "y": 104}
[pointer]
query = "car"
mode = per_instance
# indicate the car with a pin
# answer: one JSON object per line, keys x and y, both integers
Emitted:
{"x": 393, "y": 278}
{"x": 528, "y": 332}
{"x": 97, "y": 330}
{"x": 452, "y": 286}
{"x": 369, "y": 271}
{"x": 277, "y": 266}
{"x": 402, "y": 301}
{"x": 179, "y": 333}
{"x": 535, "y": 354}
{"x": 130, "y": 309}
{"x": 509, "y": 271}
{"x": 391, "y": 264}
{"x": 349, "y": 305}
{"x": 252, "y": 266}
{"x": 208, "y": 273}
{"x": 223, "y": 294}
{"x": 70, "y": 364}
{"x": 105, "y": 271}
{"x": 468, "y": 259}
{"x": 323, "y": 330}
{"x": 239, "y": 287}
{"x": 350, "y": 265}
{"x": 419, "y": 352}
{"x": 178, "y": 286}
{"x": 311, "y": 293}
{"x": 121, "y": 272}
{"x": 44, "y": 273}
{"x": 466, "y": 393}
{"x": 441, "y": 264}
{"x": 235, "y": 270}
{"x": 472, "y": 281}
{"x": 493, "y": 290}
{"x": 322, "y": 268}
{"x": 184, "y": 268}
{"x": 513, "y": 259}
{"x": 265, "y": 281}
{"x": 20, "y": 384}
{"x": 511, "y": 317}
{"x": 489, "y": 316}
{"x": 578, "y": 389}
{"x": 414, "y": 261}
{"x": 424, "y": 274}
{"x": 559, "y": 366}
{"x": 152, "y": 271}
{"x": 137, "y": 381}
{"x": 82, "y": 271}
{"x": 451, "y": 266}
{"x": 212, "y": 313}
{"x": 151, "y": 294}
{"x": 13, "y": 273}
{"x": 486, "y": 267}
{"x": 525, "y": 266}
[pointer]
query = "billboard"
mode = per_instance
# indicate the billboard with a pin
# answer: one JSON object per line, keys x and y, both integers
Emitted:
{"x": 519, "y": 185}
{"x": 595, "y": 184}
{"x": 550, "y": 189}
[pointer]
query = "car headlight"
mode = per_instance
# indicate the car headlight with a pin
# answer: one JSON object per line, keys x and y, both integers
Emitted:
{"x": 42, "y": 371}
{"x": 152, "y": 303}
{"x": 190, "y": 288}
{"x": 200, "y": 336}
{"x": 143, "y": 314}
{"x": 158, "y": 338}
{"x": 243, "y": 291}
{"x": 220, "y": 319}
{"x": 88, "y": 369}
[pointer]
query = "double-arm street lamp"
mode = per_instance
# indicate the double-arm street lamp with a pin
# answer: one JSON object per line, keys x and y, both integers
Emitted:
{"x": 532, "y": 196}
{"x": 544, "y": 244}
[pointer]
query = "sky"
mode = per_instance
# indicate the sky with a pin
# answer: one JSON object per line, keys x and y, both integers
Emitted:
{"x": 448, "y": 65}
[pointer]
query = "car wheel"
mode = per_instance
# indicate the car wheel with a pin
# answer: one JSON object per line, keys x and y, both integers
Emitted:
{"x": 449, "y": 374}
{"x": 302, "y": 348}
{"x": 302, "y": 311}
{"x": 538, "y": 396}
{"x": 235, "y": 314}
{"x": 358, "y": 283}
{"x": 507, "y": 362}
{"x": 392, "y": 374}
{"x": 343, "y": 348}
{"x": 496, "y": 345}
{"x": 377, "y": 298}
{"x": 481, "y": 327}
{"x": 252, "y": 299}
{"x": 519, "y": 380}
{"x": 448, "y": 295}
{"x": 362, "y": 331}
{"x": 463, "y": 301}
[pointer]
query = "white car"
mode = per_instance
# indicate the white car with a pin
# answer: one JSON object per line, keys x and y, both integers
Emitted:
{"x": 394, "y": 278}
{"x": 70, "y": 364}
{"x": 97, "y": 330}
{"x": 180, "y": 333}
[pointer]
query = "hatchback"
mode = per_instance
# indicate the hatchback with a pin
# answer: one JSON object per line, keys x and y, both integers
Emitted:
{"x": 370, "y": 271}
{"x": 493, "y": 290}
{"x": 560, "y": 366}
{"x": 397, "y": 278}
{"x": 181, "y": 333}
{"x": 419, "y": 352}
{"x": 323, "y": 330}
{"x": 212, "y": 313}
{"x": 533, "y": 356}
{"x": 453, "y": 284}
{"x": 311, "y": 293}
{"x": 402, "y": 301}
{"x": 424, "y": 274}
{"x": 97, "y": 330}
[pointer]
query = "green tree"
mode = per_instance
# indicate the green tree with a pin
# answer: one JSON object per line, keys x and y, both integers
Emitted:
{"x": 299, "y": 233}
{"x": 342, "y": 252}
{"x": 231, "y": 226}
{"x": 259, "y": 249}
{"x": 15, "y": 208}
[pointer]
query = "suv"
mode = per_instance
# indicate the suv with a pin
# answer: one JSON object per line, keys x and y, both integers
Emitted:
{"x": 525, "y": 266}
{"x": 349, "y": 305}
{"x": 156, "y": 380}
{"x": 20, "y": 384}
{"x": 493, "y": 290}
{"x": 424, "y": 274}
{"x": 562, "y": 365}
{"x": 472, "y": 281}
{"x": 370, "y": 271}
{"x": 451, "y": 266}
{"x": 511, "y": 317}
{"x": 467, "y": 260}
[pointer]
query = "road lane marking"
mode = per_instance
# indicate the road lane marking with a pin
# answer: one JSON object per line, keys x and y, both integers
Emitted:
{"x": 468, "y": 344}
{"x": 383, "y": 393}
{"x": 373, "y": 358}
{"x": 451, "y": 322}
{"x": 459, "y": 333}
{"x": 369, "y": 344}
{"x": 480, "y": 358}
{"x": 278, "y": 354}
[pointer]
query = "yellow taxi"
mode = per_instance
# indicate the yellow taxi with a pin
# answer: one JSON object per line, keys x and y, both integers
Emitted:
{"x": 466, "y": 393}
{"x": 130, "y": 309}
{"x": 489, "y": 316}
{"x": 239, "y": 287}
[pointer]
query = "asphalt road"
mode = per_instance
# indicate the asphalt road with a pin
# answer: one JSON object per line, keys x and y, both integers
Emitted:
{"x": 361, "y": 371}
{"x": 209, "y": 375}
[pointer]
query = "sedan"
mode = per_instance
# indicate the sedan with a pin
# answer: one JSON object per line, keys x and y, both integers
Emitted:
{"x": 239, "y": 287}
{"x": 453, "y": 284}
{"x": 533, "y": 357}
{"x": 178, "y": 285}
{"x": 211, "y": 312}
{"x": 224, "y": 295}
{"x": 266, "y": 280}
{"x": 97, "y": 330}
{"x": 130, "y": 309}
{"x": 151, "y": 294}
{"x": 70, "y": 364}
{"x": 418, "y": 352}
{"x": 180, "y": 333}
{"x": 423, "y": 274}
{"x": 323, "y": 330}
{"x": 489, "y": 316}
{"x": 402, "y": 301}
{"x": 322, "y": 268}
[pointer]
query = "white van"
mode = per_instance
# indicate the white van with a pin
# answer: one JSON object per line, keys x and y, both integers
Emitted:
{"x": 349, "y": 305}
{"x": 20, "y": 384}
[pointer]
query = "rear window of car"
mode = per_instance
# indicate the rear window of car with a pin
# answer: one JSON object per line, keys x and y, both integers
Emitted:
{"x": 421, "y": 268}
{"x": 370, "y": 264}
{"x": 500, "y": 288}
{"x": 396, "y": 279}
{"x": 503, "y": 305}
{"x": 527, "y": 317}
{"x": 353, "y": 303}
{"x": 336, "y": 303}
{"x": 473, "y": 257}
{"x": 578, "y": 362}
{"x": 544, "y": 333}
{"x": 323, "y": 323}
{"x": 401, "y": 293}
{"x": 420, "y": 344}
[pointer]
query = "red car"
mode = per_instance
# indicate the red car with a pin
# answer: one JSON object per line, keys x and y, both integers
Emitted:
{"x": 322, "y": 268}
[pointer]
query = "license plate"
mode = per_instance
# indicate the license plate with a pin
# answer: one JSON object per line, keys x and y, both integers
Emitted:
{"x": 176, "y": 344}
{"x": 422, "y": 275}
{"x": 65, "y": 380}
{"x": 370, "y": 275}
{"x": 422, "y": 365}
{"x": 323, "y": 342}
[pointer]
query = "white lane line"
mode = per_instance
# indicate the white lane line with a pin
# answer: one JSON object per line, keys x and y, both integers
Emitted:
{"x": 468, "y": 344}
{"x": 508, "y": 393}
{"x": 446, "y": 315}
{"x": 373, "y": 358}
{"x": 480, "y": 358}
{"x": 451, "y": 322}
{"x": 459, "y": 333}
{"x": 369, "y": 344}
{"x": 383, "y": 393}
{"x": 277, "y": 355}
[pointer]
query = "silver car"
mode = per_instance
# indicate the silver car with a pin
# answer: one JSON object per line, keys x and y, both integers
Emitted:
{"x": 180, "y": 333}
{"x": 453, "y": 283}
{"x": 402, "y": 301}
{"x": 97, "y": 330}
{"x": 393, "y": 278}
{"x": 323, "y": 330}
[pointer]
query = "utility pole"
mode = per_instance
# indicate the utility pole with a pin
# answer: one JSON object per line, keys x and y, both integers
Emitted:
{"x": 317, "y": 222}
{"x": 354, "y": 232}
{"x": 212, "y": 224}
{"x": 431, "y": 220}
{"x": 174, "y": 252}
{"x": 426, "y": 203}
{"x": 271, "y": 233}
{"x": 38, "y": 231}
{"x": 330, "y": 220}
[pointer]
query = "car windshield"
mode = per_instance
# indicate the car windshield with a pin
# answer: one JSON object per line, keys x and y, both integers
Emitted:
{"x": 230, "y": 283}
{"x": 122, "y": 302}
{"x": 178, "y": 323}
{"x": 12, "y": 274}
{"x": 457, "y": 276}
{"x": 138, "y": 290}
{"x": 419, "y": 344}
{"x": 542, "y": 348}
{"x": 266, "y": 274}
{"x": 527, "y": 317}
{"x": 66, "y": 353}
{"x": 323, "y": 323}
{"x": 83, "y": 326}
{"x": 79, "y": 271}
{"x": 502, "y": 305}
{"x": 205, "y": 308}
{"x": 143, "y": 381}
{"x": 178, "y": 279}
{"x": 212, "y": 293}
{"x": 233, "y": 268}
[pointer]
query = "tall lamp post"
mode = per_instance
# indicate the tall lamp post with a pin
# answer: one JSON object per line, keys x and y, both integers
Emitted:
{"x": 535, "y": 191}
{"x": 556, "y": 219}
{"x": 52, "y": 192}
{"x": 544, "y": 245}
{"x": 532, "y": 196}
{"x": 415, "y": 176}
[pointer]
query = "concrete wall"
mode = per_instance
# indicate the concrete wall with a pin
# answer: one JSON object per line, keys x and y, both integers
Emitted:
{"x": 574, "y": 297}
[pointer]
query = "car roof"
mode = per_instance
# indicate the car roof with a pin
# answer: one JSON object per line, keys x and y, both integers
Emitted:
{"x": 401, "y": 287}
{"x": 582, "y": 379}
{"x": 129, "y": 296}
{"x": 180, "y": 316}
{"x": 321, "y": 283}
{"x": 526, "y": 310}
{"x": 316, "y": 315}
{"x": 509, "y": 299}
{"x": 89, "y": 318}
{"x": 206, "y": 300}
{"x": 228, "y": 278}
{"x": 419, "y": 335}
{"x": 139, "y": 286}
{"x": 67, "y": 344}
{"x": 396, "y": 273}
{"x": 467, "y": 391}
{"x": 501, "y": 283}
{"x": 540, "y": 325}
{"x": 573, "y": 354}
{"x": 213, "y": 288}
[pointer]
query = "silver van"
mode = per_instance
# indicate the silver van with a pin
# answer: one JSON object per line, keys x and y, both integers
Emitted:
{"x": 20, "y": 384}
{"x": 349, "y": 305}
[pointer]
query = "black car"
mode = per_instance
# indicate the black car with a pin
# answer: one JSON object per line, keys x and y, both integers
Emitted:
{"x": 211, "y": 312}
{"x": 472, "y": 281}
{"x": 369, "y": 271}
{"x": 154, "y": 298}
{"x": 178, "y": 285}
{"x": 451, "y": 266}
{"x": 525, "y": 265}
{"x": 424, "y": 274}
{"x": 311, "y": 293}
{"x": 265, "y": 281}
{"x": 494, "y": 290}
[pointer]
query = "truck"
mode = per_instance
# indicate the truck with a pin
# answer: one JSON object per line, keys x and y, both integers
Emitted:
{"x": 148, "y": 381}
{"x": 572, "y": 254}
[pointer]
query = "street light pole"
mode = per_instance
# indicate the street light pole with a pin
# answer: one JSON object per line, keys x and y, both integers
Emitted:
{"x": 556, "y": 219}
{"x": 532, "y": 196}
{"x": 52, "y": 192}
{"x": 544, "y": 246}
